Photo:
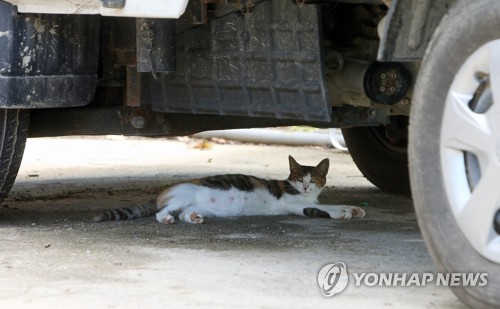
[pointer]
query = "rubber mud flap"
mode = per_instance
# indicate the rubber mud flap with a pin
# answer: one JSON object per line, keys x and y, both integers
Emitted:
{"x": 47, "y": 60}
{"x": 267, "y": 63}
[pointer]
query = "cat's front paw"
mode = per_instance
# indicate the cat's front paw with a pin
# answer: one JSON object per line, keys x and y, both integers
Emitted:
{"x": 346, "y": 214}
{"x": 358, "y": 212}
{"x": 168, "y": 219}
{"x": 352, "y": 212}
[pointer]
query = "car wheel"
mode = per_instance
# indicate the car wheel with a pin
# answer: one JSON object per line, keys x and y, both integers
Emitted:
{"x": 454, "y": 147}
{"x": 13, "y": 133}
{"x": 382, "y": 160}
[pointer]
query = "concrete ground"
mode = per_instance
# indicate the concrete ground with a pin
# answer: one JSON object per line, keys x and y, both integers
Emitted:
{"x": 53, "y": 256}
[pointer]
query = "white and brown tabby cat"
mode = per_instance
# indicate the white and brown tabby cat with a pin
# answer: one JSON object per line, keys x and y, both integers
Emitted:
{"x": 241, "y": 195}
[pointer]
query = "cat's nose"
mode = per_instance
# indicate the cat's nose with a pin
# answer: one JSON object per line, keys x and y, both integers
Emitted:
{"x": 305, "y": 187}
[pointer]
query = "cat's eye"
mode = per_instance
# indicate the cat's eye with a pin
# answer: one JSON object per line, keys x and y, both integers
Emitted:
{"x": 300, "y": 180}
{"x": 313, "y": 180}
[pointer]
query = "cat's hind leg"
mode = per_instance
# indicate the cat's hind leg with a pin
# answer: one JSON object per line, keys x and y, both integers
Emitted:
{"x": 192, "y": 215}
{"x": 171, "y": 202}
{"x": 166, "y": 215}
{"x": 175, "y": 206}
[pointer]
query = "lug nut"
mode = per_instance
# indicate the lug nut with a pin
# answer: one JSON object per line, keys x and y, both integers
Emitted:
{"x": 138, "y": 122}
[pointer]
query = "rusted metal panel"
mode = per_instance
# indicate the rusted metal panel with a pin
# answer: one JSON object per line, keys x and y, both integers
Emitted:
{"x": 133, "y": 92}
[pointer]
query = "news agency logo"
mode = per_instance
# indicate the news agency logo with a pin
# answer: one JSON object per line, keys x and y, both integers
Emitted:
{"x": 333, "y": 279}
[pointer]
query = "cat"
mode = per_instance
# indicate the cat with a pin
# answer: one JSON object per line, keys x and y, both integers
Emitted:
{"x": 241, "y": 195}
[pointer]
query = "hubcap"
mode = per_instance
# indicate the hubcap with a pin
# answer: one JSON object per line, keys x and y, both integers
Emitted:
{"x": 470, "y": 149}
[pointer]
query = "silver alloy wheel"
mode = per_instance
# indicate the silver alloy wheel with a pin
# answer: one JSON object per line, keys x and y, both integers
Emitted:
{"x": 470, "y": 148}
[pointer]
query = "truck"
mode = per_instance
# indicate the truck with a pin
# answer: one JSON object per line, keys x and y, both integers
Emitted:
{"x": 411, "y": 83}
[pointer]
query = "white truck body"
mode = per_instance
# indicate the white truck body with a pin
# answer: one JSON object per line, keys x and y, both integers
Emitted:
{"x": 133, "y": 8}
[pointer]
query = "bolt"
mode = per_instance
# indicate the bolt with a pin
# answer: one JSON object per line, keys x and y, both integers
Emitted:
{"x": 393, "y": 89}
{"x": 138, "y": 122}
{"x": 393, "y": 76}
{"x": 372, "y": 113}
{"x": 382, "y": 89}
{"x": 383, "y": 76}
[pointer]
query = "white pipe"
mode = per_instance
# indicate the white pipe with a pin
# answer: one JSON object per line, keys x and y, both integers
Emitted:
{"x": 337, "y": 139}
{"x": 269, "y": 136}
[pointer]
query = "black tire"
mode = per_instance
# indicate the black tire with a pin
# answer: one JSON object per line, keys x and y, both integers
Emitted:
{"x": 13, "y": 133}
{"x": 467, "y": 26}
{"x": 383, "y": 163}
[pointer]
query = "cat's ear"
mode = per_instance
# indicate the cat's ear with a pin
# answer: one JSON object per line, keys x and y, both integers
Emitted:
{"x": 294, "y": 166}
{"x": 323, "y": 167}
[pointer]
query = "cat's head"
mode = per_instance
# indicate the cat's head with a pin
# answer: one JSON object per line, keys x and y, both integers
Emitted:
{"x": 308, "y": 180}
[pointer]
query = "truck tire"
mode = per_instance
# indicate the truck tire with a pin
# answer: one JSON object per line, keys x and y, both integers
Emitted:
{"x": 453, "y": 147}
{"x": 383, "y": 163}
{"x": 13, "y": 133}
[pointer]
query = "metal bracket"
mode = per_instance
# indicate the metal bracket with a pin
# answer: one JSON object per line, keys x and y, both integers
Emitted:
{"x": 113, "y": 4}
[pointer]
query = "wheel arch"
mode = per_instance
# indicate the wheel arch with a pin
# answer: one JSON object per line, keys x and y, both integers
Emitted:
{"x": 408, "y": 28}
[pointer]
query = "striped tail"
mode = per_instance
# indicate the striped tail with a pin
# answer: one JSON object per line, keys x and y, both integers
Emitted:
{"x": 128, "y": 213}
